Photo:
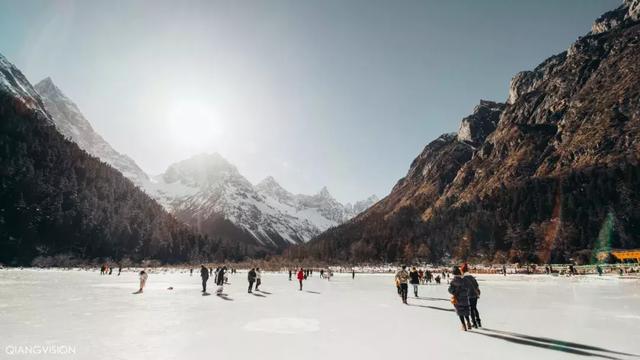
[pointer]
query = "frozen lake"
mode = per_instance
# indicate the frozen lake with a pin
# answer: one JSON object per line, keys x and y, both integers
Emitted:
{"x": 525, "y": 317}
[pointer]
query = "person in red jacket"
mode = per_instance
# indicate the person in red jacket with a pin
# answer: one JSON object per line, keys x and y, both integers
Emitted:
{"x": 300, "y": 277}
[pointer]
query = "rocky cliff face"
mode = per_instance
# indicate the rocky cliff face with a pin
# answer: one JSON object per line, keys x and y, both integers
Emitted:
{"x": 628, "y": 11}
{"x": 475, "y": 128}
{"x": 530, "y": 180}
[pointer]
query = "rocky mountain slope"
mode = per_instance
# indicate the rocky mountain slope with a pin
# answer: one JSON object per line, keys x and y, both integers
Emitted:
{"x": 550, "y": 175}
{"x": 58, "y": 201}
{"x": 208, "y": 193}
{"x": 74, "y": 126}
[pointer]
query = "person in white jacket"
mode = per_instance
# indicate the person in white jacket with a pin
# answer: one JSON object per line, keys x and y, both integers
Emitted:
{"x": 143, "y": 280}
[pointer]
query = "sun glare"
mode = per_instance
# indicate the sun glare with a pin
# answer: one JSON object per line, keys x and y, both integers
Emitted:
{"x": 193, "y": 123}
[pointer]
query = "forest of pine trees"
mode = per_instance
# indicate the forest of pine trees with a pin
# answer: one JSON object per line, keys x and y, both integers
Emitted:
{"x": 56, "y": 199}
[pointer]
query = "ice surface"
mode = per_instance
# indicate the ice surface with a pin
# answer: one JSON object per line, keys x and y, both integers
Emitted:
{"x": 526, "y": 317}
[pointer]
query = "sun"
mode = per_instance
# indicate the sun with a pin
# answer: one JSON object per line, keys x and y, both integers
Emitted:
{"x": 193, "y": 123}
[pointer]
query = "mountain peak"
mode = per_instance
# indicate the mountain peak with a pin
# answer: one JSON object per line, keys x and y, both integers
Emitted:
{"x": 46, "y": 82}
{"x": 202, "y": 169}
{"x": 47, "y": 88}
{"x": 72, "y": 124}
{"x": 629, "y": 10}
{"x": 13, "y": 82}
{"x": 324, "y": 192}
{"x": 270, "y": 186}
{"x": 268, "y": 181}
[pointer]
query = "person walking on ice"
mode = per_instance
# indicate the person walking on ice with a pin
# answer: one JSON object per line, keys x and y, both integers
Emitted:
{"x": 258, "y": 278}
{"x": 220, "y": 279}
{"x": 300, "y": 277}
{"x": 402, "y": 276}
{"x": 251, "y": 277}
{"x": 204, "y": 273}
{"x": 460, "y": 298}
{"x": 143, "y": 281}
{"x": 474, "y": 295}
{"x": 415, "y": 280}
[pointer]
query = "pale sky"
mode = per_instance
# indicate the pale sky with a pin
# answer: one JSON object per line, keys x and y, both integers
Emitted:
{"x": 342, "y": 93}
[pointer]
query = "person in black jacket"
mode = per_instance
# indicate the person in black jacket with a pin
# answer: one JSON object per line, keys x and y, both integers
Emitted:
{"x": 460, "y": 291}
{"x": 474, "y": 295}
{"x": 258, "y": 278}
{"x": 204, "y": 273}
{"x": 220, "y": 279}
{"x": 220, "y": 276}
{"x": 252, "y": 278}
{"x": 414, "y": 280}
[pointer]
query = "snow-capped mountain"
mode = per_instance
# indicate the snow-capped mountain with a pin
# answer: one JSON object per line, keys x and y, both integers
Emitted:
{"x": 320, "y": 209}
{"x": 57, "y": 199}
{"x": 73, "y": 125}
{"x": 16, "y": 85}
{"x": 206, "y": 191}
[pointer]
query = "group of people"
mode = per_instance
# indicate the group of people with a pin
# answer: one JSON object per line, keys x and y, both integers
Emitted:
{"x": 415, "y": 277}
{"x": 107, "y": 270}
{"x": 254, "y": 276}
{"x": 464, "y": 290}
{"x": 220, "y": 278}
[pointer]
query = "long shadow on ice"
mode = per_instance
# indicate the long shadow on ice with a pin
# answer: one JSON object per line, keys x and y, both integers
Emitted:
{"x": 559, "y": 342}
{"x": 432, "y": 307}
{"x": 431, "y": 298}
{"x": 312, "y": 292}
{"x": 549, "y": 344}
{"x": 259, "y": 295}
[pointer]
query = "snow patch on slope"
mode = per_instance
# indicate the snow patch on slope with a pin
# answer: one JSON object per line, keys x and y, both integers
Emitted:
{"x": 73, "y": 125}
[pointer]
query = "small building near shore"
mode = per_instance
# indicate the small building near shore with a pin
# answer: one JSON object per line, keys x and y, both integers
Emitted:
{"x": 627, "y": 255}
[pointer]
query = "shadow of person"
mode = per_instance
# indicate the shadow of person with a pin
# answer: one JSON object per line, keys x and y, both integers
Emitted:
{"x": 431, "y": 298}
{"x": 265, "y": 292}
{"x": 433, "y": 307}
{"x": 224, "y": 297}
{"x": 312, "y": 292}
{"x": 549, "y": 346}
{"x": 556, "y": 342}
{"x": 259, "y": 295}
{"x": 205, "y": 294}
